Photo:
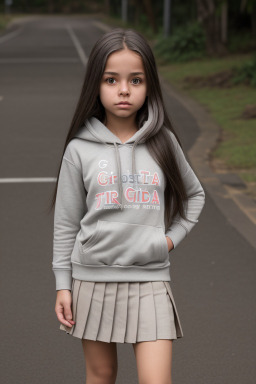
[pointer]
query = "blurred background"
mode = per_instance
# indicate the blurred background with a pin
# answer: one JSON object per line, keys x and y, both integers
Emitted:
{"x": 205, "y": 52}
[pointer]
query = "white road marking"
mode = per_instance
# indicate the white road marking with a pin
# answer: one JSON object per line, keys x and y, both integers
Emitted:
{"x": 77, "y": 44}
{"x": 84, "y": 60}
{"x": 103, "y": 27}
{"x": 28, "y": 180}
{"x": 10, "y": 35}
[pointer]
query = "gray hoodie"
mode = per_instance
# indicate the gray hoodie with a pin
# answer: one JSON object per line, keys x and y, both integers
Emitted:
{"x": 109, "y": 212}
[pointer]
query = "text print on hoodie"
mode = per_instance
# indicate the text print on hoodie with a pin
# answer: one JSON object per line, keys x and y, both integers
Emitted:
{"x": 109, "y": 212}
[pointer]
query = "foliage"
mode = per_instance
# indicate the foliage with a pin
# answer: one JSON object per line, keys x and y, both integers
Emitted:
{"x": 246, "y": 73}
{"x": 54, "y": 6}
{"x": 186, "y": 43}
{"x": 241, "y": 42}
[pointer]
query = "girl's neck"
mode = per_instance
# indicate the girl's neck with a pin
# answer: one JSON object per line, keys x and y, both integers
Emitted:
{"x": 123, "y": 128}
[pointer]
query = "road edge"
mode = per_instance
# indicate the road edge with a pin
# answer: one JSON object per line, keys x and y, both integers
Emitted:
{"x": 227, "y": 191}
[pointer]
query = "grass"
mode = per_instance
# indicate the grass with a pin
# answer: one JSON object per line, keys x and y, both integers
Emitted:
{"x": 237, "y": 149}
{"x": 4, "y": 20}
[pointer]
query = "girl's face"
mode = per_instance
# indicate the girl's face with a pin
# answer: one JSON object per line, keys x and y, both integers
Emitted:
{"x": 123, "y": 80}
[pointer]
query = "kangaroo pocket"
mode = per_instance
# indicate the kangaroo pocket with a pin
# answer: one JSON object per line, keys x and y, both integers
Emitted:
{"x": 125, "y": 244}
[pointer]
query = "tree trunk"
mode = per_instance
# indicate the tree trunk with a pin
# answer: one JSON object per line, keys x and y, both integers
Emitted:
{"x": 150, "y": 15}
{"x": 206, "y": 15}
{"x": 50, "y": 6}
{"x": 224, "y": 22}
{"x": 253, "y": 20}
{"x": 107, "y": 7}
{"x": 137, "y": 12}
{"x": 251, "y": 9}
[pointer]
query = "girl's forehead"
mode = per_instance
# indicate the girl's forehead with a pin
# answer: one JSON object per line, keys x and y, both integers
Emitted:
{"x": 125, "y": 58}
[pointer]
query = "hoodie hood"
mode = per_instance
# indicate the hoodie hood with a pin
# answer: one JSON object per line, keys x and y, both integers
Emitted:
{"x": 95, "y": 130}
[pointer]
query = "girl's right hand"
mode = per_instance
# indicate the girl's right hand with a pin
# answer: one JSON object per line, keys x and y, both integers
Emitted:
{"x": 63, "y": 307}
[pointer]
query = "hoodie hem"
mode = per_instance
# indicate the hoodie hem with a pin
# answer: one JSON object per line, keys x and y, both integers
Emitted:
{"x": 119, "y": 274}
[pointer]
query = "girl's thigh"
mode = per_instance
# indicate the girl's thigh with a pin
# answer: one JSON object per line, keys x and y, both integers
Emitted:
{"x": 100, "y": 360}
{"x": 154, "y": 361}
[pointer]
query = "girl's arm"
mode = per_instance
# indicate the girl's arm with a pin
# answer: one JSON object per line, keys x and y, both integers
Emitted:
{"x": 69, "y": 210}
{"x": 180, "y": 228}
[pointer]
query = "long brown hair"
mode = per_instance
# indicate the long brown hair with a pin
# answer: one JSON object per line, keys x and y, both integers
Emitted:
{"x": 158, "y": 141}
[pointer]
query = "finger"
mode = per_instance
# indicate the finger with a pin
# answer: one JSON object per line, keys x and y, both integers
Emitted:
{"x": 68, "y": 313}
{"x": 61, "y": 318}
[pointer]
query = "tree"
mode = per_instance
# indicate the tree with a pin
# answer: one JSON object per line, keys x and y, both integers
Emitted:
{"x": 150, "y": 15}
{"x": 213, "y": 16}
{"x": 250, "y": 7}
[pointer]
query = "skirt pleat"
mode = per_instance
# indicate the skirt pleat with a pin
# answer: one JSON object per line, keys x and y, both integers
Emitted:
{"x": 133, "y": 312}
{"x": 147, "y": 329}
{"x": 123, "y": 312}
{"x": 107, "y": 316}
{"x": 175, "y": 311}
{"x": 120, "y": 314}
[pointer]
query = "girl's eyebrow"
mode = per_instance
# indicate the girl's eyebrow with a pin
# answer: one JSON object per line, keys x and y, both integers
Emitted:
{"x": 115, "y": 73}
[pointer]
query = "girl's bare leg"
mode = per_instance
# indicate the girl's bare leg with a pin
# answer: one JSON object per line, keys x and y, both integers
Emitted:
{"x": 100, "y": 362}
{"x": 154, "y": 361}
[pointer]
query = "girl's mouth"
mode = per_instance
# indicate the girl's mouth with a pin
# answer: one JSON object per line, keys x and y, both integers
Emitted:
{"x": 123, "y": 105}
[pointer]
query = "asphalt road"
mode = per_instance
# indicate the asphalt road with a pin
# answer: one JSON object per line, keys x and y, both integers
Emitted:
{"x": 213, "y": 269}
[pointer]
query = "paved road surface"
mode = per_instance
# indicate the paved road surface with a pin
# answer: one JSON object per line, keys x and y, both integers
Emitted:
{"x": 213, "y": 270}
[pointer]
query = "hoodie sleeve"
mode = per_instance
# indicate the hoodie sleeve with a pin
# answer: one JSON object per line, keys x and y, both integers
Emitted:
{"x": 196, "y": 199}
{"x": 70, "y": 208}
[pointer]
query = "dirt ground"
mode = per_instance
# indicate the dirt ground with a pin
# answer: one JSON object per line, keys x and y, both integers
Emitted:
{"x": 218, "y": 166}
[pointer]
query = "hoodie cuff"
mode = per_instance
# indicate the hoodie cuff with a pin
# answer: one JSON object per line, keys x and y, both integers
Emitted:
{"x": 176, "y": 233}
{"x": 63, "y": 279}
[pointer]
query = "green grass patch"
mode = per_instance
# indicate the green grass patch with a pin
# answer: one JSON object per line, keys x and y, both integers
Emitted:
{"x": 225, "y": 105}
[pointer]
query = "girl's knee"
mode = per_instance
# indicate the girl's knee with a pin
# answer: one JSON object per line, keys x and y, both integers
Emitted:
{"x": 100, "y": 362}
{"x": 154, "y": 361}
{"x": 101, "y": 375}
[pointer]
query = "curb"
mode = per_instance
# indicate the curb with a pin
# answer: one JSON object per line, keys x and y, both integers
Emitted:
{"x": 227, "y": 190}
{"x": 15, "y": 27}
{"x": 10, "y": 31}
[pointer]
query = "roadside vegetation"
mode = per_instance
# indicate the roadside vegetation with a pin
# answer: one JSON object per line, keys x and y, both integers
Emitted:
{"x": 4, "y": 20}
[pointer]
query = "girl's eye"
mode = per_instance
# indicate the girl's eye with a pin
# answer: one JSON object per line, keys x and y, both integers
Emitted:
{"x": 137, "y": 78}
{"x": 109, "y": 78}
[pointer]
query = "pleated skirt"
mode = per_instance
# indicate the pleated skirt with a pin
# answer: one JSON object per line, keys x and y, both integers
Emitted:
{"x": 123, "y": 312}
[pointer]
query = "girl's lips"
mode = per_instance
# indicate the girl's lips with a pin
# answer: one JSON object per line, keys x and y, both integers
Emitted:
{"x": 124, "y": 105}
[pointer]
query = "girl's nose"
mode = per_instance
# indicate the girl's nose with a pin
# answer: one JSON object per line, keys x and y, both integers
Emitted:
{"x": 124, "y": 89}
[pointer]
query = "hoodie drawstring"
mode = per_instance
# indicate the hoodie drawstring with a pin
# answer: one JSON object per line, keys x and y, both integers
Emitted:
{"x": 120, "y": 187}
{"x": 120, "y": 184}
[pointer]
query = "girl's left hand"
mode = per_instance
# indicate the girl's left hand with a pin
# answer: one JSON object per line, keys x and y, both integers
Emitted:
{"x": 169, "y": 243}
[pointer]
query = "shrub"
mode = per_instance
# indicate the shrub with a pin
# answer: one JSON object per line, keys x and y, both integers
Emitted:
{"x": 184, "y": 44}
{"x": 246, "y": 73}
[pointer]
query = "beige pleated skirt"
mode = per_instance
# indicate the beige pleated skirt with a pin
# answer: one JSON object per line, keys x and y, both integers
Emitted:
{"x": 123, "y": 312}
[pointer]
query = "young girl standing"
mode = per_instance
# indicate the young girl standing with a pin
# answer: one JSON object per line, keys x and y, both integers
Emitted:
{"x": 125, "y": 197}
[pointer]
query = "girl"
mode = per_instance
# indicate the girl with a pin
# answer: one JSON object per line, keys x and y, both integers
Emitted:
{"x": 125, "y": 198}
